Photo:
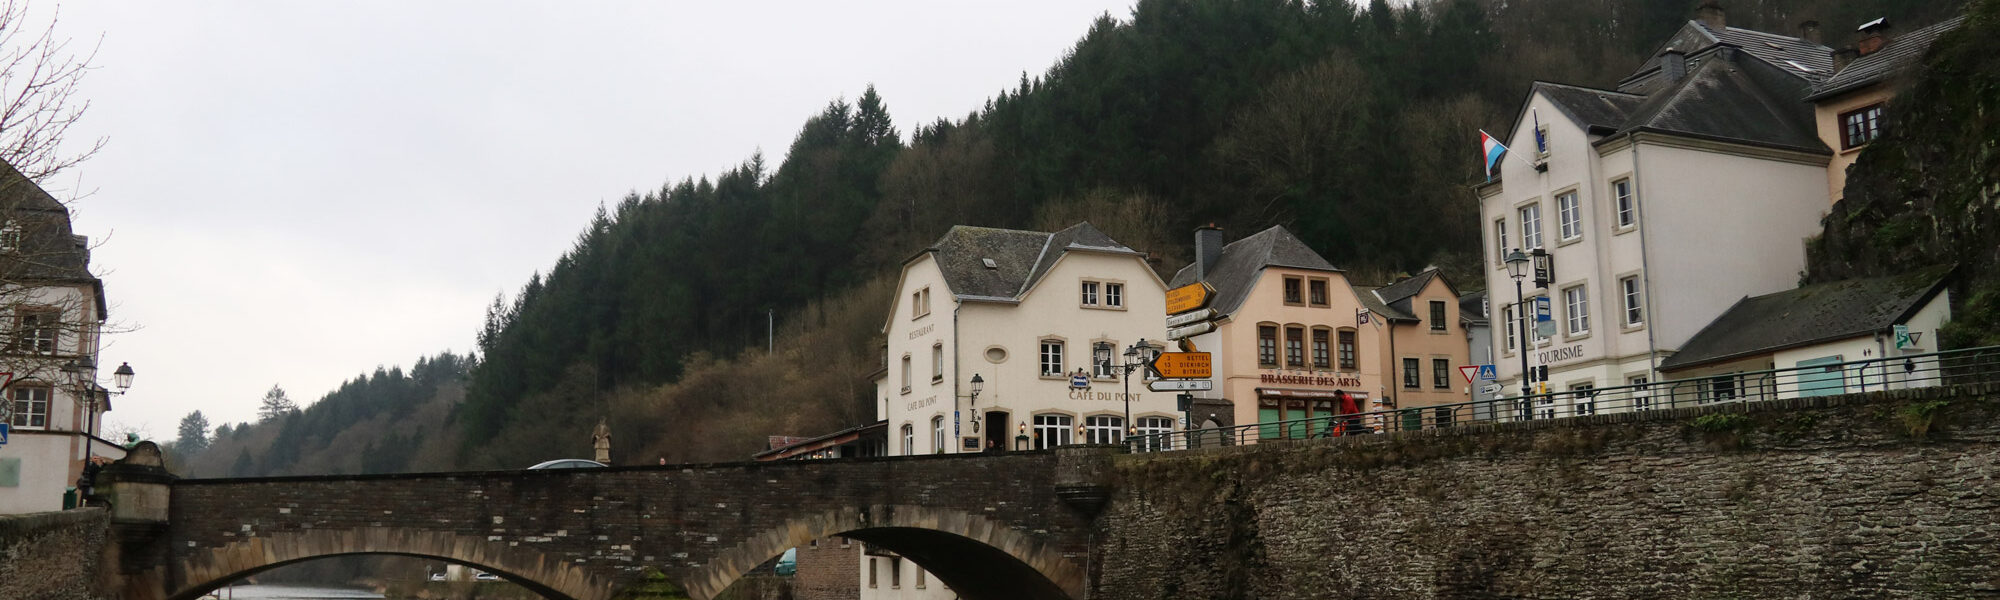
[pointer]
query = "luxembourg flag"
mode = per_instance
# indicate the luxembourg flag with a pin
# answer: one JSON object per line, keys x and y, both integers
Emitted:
{"x": 1493, "y": 149}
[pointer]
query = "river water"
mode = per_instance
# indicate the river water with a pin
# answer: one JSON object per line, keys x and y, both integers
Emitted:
{"x": 293, "y": 592}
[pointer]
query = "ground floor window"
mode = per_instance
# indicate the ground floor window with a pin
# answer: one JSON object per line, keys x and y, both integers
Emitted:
{"x": 31, "y": 407}
{"x": 1584, "y": 397}
{"x": 1104, "y": 429}
{"x": 1052, "y": 431}
{"x": 1154, "y": 430}
{"x": 1642, "y": 394}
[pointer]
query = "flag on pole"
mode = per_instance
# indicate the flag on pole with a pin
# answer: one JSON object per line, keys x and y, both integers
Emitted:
{"x": 1541, "y": 142}
{"x": 1493, "y": 150}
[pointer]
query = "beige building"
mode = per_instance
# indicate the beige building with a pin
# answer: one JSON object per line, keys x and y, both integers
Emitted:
{"x": 1428, "y": 340}
{"x": 1696, "y": 181}
{"x": 1848, "y": 107}
{"x": 56, "y": 309}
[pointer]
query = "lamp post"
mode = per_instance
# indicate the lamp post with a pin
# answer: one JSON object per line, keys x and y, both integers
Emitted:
{"x": 978, "y": 383}
{"x": 1137, "y": 356}
{"x": 82, "y": 374}
{"x": 1517, "y": 265}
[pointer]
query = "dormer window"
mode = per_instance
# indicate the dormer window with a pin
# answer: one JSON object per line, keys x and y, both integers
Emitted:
{"x": 10, "y": 236}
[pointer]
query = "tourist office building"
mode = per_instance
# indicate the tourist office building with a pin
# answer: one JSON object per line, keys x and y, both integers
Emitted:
{"x": 1659, "y": 204}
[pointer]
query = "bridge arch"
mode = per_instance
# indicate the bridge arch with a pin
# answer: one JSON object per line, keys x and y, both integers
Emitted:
{"x": 549, "y": 576}
{"x": 979, "y": 558}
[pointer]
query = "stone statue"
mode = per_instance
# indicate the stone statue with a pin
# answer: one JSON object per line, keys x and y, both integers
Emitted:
{"x": 600, "y": 439}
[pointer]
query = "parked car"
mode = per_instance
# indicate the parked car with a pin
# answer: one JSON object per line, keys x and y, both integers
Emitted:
{"x": 485, "y": 576}
{"x": 568, "y": 463}
{"x": 437, "y": 577}
{"x": 788, "y": 563}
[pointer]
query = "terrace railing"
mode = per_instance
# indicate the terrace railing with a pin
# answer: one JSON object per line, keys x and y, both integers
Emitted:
{"x": 1954, "y": 367}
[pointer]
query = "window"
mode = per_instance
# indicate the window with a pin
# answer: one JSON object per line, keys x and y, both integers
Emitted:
{"x": 920, "y": 303}
{"x": 1859, "y": 127}
{"x": 1634, "y": 303}
{"x": 1104, "y": 369}
{"x": 1267, "y": 346}
{"x": 1437, "y": 316}
{"x": 937, "y": 362}
{"x": 1322, "y": 357}
{"x": 1114, "y": 295}
{"x": 31, "y": 407}
{"x": 906, "y": 373}
{"x": 1051, "y": 431}
{"x": 895, "y": 572}
{"x": 1621, "y": 202}
{"x": 35, "y": 331}
{"x": 1642, "y": 395}
{"x": 1295, "y": 347}
{"x": 1534, "y": 327}
{"x": 871, "y": 571}
{"x": 1154, "y": 430}
{"x": 1348, "y": 359}
{"x": 1294, "y": 290}
{"x": 1090, "y": 293}
{"x": 1570, "y": 216}
{"x": 919, "y": 570}
{"x": 937, "y": 434}
{"x": 1500, "y": 241}
{"x": 1104, "y": 430}
{"x": 1531, "y": 226}
{"x": 1316, "y": 292}
{"x": 909, "y": 439}
{"x": 1052, "y": 358}
{"x": 10, "y": 236}
{"x": 1576, "y": 307}
{"x": 1584, "y": 397}
{"x": 1441, "y": 373}
{"x": 1410, "y": 377}
{"x": 1511, "y": 327}
{"x": 1722, "y": 388}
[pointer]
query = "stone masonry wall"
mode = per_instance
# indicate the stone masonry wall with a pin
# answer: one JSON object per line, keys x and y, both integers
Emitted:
{"x": 1887, "y": 495}
{"x": 54, "y": 555}
{"x": 829, "y": 569}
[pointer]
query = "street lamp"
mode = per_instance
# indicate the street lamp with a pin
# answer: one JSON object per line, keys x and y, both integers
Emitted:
{"x": 1137, "y": 356}
{"x": 978, "y": 383}
{"x": 1517, "y": 267}
{"x": 82, "y": 374}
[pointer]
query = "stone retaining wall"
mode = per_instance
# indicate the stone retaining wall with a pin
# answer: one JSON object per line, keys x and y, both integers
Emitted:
{"x": 54, "y": 555}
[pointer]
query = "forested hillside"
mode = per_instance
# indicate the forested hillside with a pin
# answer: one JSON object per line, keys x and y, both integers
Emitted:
{"x": 1353, "y": 125}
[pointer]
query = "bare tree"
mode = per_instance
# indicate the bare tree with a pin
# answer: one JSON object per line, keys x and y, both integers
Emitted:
{"x": 39, "y": 99}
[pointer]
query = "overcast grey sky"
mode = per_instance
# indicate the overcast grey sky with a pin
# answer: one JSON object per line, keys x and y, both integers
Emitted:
{"x": 295, "y": 193}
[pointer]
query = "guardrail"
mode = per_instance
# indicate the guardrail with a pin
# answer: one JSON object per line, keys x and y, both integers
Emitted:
{"x": 1954, "y": 367}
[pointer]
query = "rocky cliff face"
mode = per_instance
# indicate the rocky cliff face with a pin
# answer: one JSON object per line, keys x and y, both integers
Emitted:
{"x": 1928, "y": 192}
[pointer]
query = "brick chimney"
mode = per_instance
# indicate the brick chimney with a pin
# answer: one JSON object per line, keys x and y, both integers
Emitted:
{"x": 1207, "y": 250}
{"x": 1809, "y": 31}
{"x": 1710, "y": 13}
{"x": 1874, "y": 35}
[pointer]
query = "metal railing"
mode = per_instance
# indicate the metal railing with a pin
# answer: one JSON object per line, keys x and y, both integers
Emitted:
{"x": 1954, "y": 367}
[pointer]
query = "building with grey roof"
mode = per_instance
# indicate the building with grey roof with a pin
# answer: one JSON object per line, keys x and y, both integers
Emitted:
{"x": 1694, "y": 181}
{"x": 1850, "y": 108}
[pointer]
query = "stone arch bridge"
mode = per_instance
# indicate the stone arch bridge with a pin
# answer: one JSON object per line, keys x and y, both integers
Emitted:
{"x": 1007, "y": 526}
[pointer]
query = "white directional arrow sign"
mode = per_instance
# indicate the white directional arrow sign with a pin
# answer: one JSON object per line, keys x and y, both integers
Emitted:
{"x": 1181, "y": 385}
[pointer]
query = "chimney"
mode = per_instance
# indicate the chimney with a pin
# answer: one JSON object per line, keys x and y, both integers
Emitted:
{"x": 1809, "y": 31}
{"x": 1842, "y": 57}
{"x": 1207, "y": 250}
{"x": 1673, "y": 65}
{"x": 1874, "y": 35}
{"x": 1710, "y": 14}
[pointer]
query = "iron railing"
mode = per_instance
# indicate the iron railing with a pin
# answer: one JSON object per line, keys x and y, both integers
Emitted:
{"x": 1955, "y": 367}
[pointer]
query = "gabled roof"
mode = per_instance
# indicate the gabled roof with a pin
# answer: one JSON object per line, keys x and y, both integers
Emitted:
{"x": 49, "y": 251}
{"x": 1236, "y": 271}
{"x": 1472, "y": 307}
{"x": 1596, "y": 110}
{"x": 1887, "y": 62}
{"x": 1374, "y": 303}
{"x": 1397, "y": 295}
{"x": 1723, "y": 99}
{"x": 1798, "y": 57}
{"x": 1809, "y": 315}
{"x": 1020, "y": 258}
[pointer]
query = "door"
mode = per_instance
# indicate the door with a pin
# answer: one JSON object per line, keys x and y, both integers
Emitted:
{"x": 997, "y": 432}
{"x": 1826, "y": 379}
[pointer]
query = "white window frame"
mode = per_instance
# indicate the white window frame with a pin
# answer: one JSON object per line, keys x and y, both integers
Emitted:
{"x": 1114, "y": 295}
{"x": 1107, "y": 369}
{"x": 937, "y": 434}
{"x": 906, "y": 372}
{"x": 1576, "y": 310}
{"x": 1104, "y": 429}
{"x": 1622, "y": 203}
{"x": 1154, "y": 426}
{"x": 25, "y": 404}
{"x": 1052, "y": 429}
{"x": 10, "y": 236}
{"x": 1569, "y": 216}
{"x": 1049, "y": 354}
{"x": 920, "y": 303}
{"x": 909, "y": 439}
{"x": 1500, "y": 248}
{"x": 1634, "y": 300}
{"x": 1512, "y": 330}
{"x": 43, "y": 336}
{"x": 1642, "y": 398}
{"x": 1531, "y": 225}
{"x": 1089, "y": 289}
{"x": 937, "y": 362}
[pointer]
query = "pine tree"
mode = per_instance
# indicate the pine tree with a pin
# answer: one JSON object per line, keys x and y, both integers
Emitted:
{"x": 243, "y": 466}
{"x": 275, "y": 404}
{"x": 193, "y": 435}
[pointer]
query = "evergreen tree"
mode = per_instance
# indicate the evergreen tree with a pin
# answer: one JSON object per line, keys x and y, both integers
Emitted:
{"x": 275, "y": 404}
{"x": 193, "y": 434}
{"x": 243, "y": 466}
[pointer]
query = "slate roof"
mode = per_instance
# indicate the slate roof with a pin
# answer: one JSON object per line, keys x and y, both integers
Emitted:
{"x": 1799, "y": 57}
{"x": 1397, "y": 295}
{"x": 49, "y": 250}
{"x": 1236, "y": 271}
{"x": 1020, "y": 258}
{"x": 1809, "y": 315}
{"x": 1472, "y": 307}
{"x": 1374, "y": 303}
{"x": 1887, "y": 62}
{"x": 1595, "y": 109}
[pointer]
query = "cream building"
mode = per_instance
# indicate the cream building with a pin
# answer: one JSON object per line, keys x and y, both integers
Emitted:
{"x": 1694, "y": 183}
{"x": 1020, "y": 311}
{"x": 1848, "y": 107}
{"x": 56, "y": 311}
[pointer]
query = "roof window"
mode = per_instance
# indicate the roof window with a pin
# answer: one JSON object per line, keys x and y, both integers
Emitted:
{"x": 989, "y": 263}
{"x": 1795, "y": 64}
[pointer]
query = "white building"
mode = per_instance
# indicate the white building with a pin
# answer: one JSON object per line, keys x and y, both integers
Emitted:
{"x": 1020, "y": 311}
{"x": 56, "y": 311}
{"x": 1694, "y": 183}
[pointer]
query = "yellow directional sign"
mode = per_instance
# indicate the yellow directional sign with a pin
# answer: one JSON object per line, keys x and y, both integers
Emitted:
{"x": 1189, "y": 298}
{"x": 1183, "y": 365}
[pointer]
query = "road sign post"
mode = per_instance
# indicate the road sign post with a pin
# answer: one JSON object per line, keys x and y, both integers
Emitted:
{"x": 1468, "y": 372}
{"x": 1189, "y": 298}
{"x": 1183, "y": 365}
{"x": 1180, "y": 385}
